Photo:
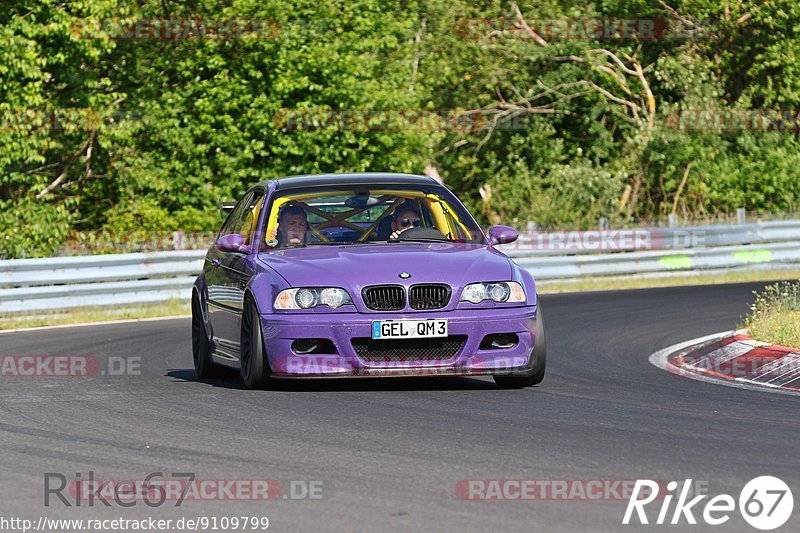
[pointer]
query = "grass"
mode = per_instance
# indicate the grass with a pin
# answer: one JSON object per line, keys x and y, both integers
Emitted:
{"x": 775, "y": 315}
{"x": 97, "y": 314}
{"x": 181, "y": 308}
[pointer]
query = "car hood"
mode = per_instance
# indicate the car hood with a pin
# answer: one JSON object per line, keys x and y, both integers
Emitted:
{"x": 358, "y": 265}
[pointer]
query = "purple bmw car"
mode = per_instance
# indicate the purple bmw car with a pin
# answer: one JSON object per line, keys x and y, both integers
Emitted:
{"x": 363, "y": 275}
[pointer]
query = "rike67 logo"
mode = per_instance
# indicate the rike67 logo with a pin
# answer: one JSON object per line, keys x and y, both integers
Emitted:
{"x": 765, "y": 503}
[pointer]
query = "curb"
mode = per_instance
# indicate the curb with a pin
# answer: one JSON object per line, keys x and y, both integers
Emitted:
{"x": 734, "y": 358}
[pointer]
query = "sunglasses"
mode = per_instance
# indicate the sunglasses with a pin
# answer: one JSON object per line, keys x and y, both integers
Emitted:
{"x": 406, "y": 222}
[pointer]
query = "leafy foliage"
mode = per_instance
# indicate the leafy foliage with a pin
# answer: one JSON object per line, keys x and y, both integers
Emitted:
{"x": 100, "y": 131}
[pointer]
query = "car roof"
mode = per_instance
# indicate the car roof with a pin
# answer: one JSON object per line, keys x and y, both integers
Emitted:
{"x": 365, "y": 178}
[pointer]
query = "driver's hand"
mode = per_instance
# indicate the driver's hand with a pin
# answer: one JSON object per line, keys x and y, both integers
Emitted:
{"x": 396, "y": 233}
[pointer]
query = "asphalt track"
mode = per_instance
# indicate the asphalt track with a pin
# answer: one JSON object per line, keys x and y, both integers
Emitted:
{"x": 389, "y": 453}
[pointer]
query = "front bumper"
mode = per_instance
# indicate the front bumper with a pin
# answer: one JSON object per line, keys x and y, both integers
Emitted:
{"x": 340, "y": 328}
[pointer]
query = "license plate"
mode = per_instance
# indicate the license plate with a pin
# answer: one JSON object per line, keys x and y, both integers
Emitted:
{"x": 409, "y": 329}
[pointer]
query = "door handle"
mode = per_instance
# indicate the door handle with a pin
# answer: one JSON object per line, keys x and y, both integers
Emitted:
{"x": 215, "y": 263}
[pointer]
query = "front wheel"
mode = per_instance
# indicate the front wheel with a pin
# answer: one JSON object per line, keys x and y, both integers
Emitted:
{"x": 255, "y": 369}
{"x": 535, "y": 373}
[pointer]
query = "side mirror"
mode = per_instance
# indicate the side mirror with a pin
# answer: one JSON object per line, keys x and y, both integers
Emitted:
{"x": 502, "y": 235}
{"x": 232, "y": 243}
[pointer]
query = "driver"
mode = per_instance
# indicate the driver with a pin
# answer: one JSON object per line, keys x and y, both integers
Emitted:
{"x": 406, "y": 216}
{"x": 292, "y": 226}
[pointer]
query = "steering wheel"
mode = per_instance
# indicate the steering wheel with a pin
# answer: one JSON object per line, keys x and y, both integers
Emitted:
{"x": 420, "y": 233}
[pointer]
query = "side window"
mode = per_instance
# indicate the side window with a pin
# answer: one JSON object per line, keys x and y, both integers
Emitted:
{"x": 251, "y": 219}
{"x": 235, "y": 219}
{"x": 244, "y": 216}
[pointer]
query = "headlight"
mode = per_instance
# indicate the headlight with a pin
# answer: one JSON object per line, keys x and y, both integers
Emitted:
{"x": 334, "y": 297}
{"x": 504, "y": 291}
{"x": 306, "y": 298}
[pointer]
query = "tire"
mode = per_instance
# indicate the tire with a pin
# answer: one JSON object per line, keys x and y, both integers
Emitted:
{"x": 204, "y": 366}
{"x": 255, "y": 369}
{"x": 538, "y": 362}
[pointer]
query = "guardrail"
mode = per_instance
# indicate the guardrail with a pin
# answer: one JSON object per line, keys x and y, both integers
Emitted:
{"x": 30, "y": 285}
{"x": 665, "y": 262}
{"x": 42, "y": 285}
{"x": 640, "y": 239}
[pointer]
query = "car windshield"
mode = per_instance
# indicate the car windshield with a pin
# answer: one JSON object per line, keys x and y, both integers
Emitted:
{"x": 338, "y": 217}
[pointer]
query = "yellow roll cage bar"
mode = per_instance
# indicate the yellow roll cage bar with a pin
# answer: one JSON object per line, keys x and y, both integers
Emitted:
{"x": 438, "y": 208}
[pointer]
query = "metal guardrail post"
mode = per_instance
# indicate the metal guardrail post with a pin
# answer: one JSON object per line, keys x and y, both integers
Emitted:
{"x": 672, "y": 220}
